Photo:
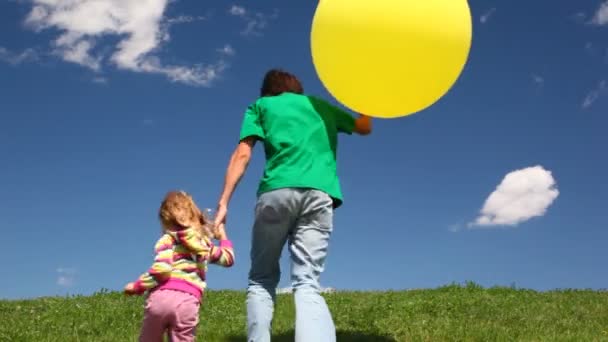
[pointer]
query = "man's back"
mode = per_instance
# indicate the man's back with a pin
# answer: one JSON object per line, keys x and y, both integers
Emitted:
{"x": 300, "y": 141}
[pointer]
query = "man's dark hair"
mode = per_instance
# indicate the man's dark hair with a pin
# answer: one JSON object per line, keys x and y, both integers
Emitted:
{"x": 277, "y": 81}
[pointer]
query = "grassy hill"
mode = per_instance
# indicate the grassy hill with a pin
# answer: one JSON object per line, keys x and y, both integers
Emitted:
{"x": 450, "y": 313}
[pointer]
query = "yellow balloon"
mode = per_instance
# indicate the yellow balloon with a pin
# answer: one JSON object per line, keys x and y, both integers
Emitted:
{"x": 390, "y": 58}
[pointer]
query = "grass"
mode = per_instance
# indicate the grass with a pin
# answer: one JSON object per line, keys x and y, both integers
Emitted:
{"x": 451, "y": 313}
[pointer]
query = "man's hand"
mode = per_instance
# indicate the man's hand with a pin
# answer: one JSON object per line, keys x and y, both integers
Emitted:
{"x": 363, "y": 125}
{"x": 236, "y": 168}
{"x": 220, "y": 215}
{"x": 220, "y": 232}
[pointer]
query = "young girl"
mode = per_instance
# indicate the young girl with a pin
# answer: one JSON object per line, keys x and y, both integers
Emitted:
{"x": 176, "y": 281}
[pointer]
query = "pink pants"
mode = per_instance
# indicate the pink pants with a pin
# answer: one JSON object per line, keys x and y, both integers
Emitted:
{"x": 172, "y": 312}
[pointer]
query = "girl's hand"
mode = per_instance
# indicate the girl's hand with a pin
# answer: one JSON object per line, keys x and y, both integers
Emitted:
{"x": 132, "y": 289}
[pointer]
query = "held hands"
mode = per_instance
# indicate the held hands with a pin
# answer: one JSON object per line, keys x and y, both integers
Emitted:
{"x": 220, "y": 214}
{"x": 220, "y": 232}
{"x": 220, "y": 222}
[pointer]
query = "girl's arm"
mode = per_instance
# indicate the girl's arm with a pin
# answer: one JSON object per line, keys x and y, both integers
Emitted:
{"x": 159, "y": 272}
{"x": 223, "y": 254}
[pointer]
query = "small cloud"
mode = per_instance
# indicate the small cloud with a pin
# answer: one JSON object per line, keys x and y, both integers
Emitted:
{"x": 227, "y": 50}
{"x": 579, "y": 17}
{"x": 538, "y": 81}
{"x": 148, "y": 122}
{"x": 255, "y": 22}
{"x": 183, "y": 19}
{"x": 65, "y": 276}
{"x": 591, "y": 49}
{"x": 284, "y": 290}
{"x": 454, "y": 228}
{"x": 16, "y": 58}
{"x": 601, "y": 15}
{"x": 487, "y": 15}
{"x": 100, "y": 80}
{"x": 597, "y": 51}
{"x": 594, "y": 94}
{"x": 238, "y": 11}
{"x": 522, "y": 195}
{"x": 197, "y": 75}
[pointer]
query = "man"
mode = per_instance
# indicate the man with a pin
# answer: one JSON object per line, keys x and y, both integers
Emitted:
{"x": 296, "y": 198}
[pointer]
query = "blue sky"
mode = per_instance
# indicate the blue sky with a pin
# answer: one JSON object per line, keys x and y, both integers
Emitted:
{"x": 96, "y": 127}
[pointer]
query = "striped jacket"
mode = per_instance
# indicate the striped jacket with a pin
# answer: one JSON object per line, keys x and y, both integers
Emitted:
{"x": 181, "y": 263}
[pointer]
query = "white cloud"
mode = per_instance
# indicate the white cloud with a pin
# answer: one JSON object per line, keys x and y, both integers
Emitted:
{"x": 100, "y": 80}
{"x": 601, "y": 15}
{"x": 78, "y": 52}
{"x": 227, "y": 50}
{"x": 238, "y": 11}
{"x": 137, "y": 23}
{"x": 66, "y": 276}
{"x": 184, "y": 19}
{"x": 538, "y": 80}
{"x": 593, "y": 50}
{"x": 16, "y": 58}
{"x": 594, "y": 94}
{"x": 487, "y": 15}
{"x": 255, "y": 22}
{"x": 579, "y": 17}
{"x": 454, "y": 228}
{"x": 148, "y": 122}
{"x": 522, "y": 195}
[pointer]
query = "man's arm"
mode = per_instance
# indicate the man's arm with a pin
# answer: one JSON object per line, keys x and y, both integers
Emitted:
{"x": 236, "y": 169}
{"x": 345, "y": 122}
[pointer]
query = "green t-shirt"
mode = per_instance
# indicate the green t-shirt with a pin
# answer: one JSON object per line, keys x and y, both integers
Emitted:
{"x": 300, "y": 136}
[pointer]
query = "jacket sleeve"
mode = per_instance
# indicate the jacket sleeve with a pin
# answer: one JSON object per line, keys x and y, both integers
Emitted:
{"x": 189, "y": 239}
{"x": 223, "y": 254}
{"x": 159, "y": 272}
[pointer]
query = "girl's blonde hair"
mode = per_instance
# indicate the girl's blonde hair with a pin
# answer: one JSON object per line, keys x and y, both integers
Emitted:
{"x": 179, "y": 211}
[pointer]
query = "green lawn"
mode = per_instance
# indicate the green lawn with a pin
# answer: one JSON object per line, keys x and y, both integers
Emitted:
{"x": 450, "y": 313}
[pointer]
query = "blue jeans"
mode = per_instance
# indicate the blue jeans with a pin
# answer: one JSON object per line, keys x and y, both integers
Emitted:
{"x": 304, "y": 219}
